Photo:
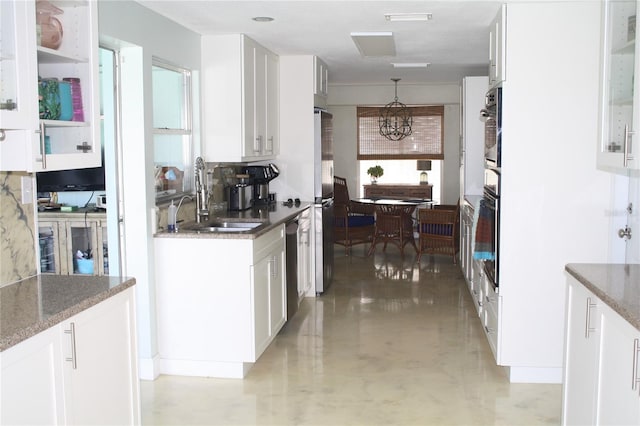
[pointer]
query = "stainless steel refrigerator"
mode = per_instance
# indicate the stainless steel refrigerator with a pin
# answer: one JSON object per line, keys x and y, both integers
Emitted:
{"x": 323, "y": 194}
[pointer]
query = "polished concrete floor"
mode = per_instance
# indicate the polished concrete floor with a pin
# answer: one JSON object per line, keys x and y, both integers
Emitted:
{"x": 390, "y": 343}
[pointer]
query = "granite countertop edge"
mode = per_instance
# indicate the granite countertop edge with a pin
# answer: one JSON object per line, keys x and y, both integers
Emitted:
{"x": 273, "y": 220}
{"x": 31, "y": 330}
{"x": 617, "y": 285}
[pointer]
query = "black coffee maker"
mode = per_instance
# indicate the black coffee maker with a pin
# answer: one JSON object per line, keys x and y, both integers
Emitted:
{"x": 259, "y": 177}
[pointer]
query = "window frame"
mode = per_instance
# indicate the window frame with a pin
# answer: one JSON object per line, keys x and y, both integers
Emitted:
{"x": 186, "y": 130}
{"x": 372, "y": 112}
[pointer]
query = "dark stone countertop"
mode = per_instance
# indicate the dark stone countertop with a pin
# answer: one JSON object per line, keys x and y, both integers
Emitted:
{"x": 617, "y": 285}
{"x": 40, "y": 302}
{"x": 274, "y": 215}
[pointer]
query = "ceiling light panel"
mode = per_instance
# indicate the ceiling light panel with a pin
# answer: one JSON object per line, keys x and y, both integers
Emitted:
{"x": 374, "y": 44}
{"x": 408, "y": 17}
{"x": 410, "y": 64}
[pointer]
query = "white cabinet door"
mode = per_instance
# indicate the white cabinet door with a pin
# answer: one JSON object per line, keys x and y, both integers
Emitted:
{"x": 235, "y": 73}
{"x": 277, "y": 293}
{"x": 320, "y": 77}
{"x": 619, "y": 387}
{"x": 101, "y": 382}
{"x": 272, "y": 144}
{"x": 32, "y": 390}
{"x": 269, "y": 289}
{"x": 620, "y": 101}
{"x": 261, "y": 316}
{"x": 581, "y": 355}
{"x": 305, "y": 257}
{"x": 497, "y": 41}
{"x": 18, "y": 91}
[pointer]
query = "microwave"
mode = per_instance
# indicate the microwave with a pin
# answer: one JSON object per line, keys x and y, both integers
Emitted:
{"x": 492, "y": 115}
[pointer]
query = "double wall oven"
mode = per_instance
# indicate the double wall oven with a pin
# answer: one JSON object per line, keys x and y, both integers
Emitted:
{"x": 492, "y": 113}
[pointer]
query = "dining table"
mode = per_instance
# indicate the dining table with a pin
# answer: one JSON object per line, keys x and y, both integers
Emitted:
{"x": 395, "y": 221}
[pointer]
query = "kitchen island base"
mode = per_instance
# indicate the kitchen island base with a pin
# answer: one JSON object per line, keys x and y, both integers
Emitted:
{"x": 221, "y": 302}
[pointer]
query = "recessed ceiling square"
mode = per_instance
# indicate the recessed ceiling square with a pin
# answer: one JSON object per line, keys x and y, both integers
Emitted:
{"x": 374, "y": 44}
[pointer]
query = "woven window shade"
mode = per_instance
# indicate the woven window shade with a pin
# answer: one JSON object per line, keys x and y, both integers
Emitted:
{"x": 426, "y": 142}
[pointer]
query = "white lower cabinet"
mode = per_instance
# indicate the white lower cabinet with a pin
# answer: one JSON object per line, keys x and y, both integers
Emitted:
{"x": 618, "y": 400}
{"x": 471, "y": 269}
{"x": 81, "y": 371}
{"x": 32, "y": 390}
{"x": 221, "y": 302}
{"x": 581, "y": 356}
{"x": 601, "y": 363}
{"x": 268, "y": 287}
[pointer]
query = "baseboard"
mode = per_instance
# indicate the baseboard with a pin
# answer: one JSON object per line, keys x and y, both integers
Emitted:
{"x": 226, "y": 370}
{"x": 535, "y": 375}
{"x": 148, "y": 368}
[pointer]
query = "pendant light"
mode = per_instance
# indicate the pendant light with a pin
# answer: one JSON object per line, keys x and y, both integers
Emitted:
{"x": 395, "y": 118}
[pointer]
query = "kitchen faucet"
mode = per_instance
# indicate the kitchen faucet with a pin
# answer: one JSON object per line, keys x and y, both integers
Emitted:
{"x": 202, "y": 194}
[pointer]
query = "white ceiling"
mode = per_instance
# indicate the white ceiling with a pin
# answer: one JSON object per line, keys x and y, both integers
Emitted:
{"x": 455, "y": 42}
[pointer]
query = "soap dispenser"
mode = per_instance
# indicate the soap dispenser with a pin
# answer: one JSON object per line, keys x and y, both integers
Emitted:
{"x": 171, "y": 217}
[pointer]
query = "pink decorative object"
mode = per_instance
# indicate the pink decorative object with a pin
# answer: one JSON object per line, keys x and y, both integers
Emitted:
{"x": 76, "y": 98}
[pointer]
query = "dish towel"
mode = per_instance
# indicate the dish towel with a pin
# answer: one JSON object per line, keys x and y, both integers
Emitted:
{"x": 483, "y": 232}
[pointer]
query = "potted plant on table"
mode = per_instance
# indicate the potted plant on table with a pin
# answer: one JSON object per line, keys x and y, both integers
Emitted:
{"x": 374, "y": 173}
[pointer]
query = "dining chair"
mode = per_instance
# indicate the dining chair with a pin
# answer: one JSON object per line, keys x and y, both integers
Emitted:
{"x": 438, "y": 231}
{"x": 353, "y": 221}
{"x": 394, "y": 224}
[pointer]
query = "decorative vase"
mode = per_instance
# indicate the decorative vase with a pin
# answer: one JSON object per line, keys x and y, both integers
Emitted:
{"x": 374, "y": 180}
{"x": 66, "y": 105}
{"x": 49, "y": 102}
{"x": 76, "y": 97}
{"x": 48, "y": 28}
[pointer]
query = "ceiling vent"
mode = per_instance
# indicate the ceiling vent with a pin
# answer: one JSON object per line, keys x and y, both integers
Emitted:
{"x": 375, "y": 44}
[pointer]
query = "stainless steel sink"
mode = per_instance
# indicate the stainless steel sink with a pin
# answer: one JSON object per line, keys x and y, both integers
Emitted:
{"x": 220, "y": 226}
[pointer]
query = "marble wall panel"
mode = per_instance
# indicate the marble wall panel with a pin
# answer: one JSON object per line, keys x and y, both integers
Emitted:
{"x": 17, "y": 231}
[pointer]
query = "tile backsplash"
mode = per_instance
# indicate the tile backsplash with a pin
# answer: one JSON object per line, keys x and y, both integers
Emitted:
{"x": 17, "y": 231}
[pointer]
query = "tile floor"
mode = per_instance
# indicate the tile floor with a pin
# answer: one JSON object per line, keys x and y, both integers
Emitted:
{"x": 390, "y": 343}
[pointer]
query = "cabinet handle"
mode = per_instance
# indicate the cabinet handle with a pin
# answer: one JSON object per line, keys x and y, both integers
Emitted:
{"x": 3, "y": 135}
{"x": 627, "y": 135}
{"x": 488, "y": 330}
{"x": 258, "y": 147}
{"x": 72, "y": 332}
{"x": 274, "y": 268}
{"x": 635, "y": 380}
{"x": 42, "y": 146}
{"x": 587, "y": 326}
{"x": 270, "y": 144}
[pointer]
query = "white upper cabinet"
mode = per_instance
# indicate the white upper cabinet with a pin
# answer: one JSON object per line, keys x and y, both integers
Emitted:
{"x": 497, "y": 48}
{"x": 18, "y": 94}
{"x": 240, "y": 107}
{"x": 618, "y": 136}
{"x": 57, "y": 41}
{"x": 320, "y": 77}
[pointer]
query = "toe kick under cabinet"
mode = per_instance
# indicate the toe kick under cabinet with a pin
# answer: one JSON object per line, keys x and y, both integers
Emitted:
{"x": 221, "y": 301}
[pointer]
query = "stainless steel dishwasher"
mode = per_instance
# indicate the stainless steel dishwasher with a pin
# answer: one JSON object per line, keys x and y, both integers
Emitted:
{"x": 291, "y": 249}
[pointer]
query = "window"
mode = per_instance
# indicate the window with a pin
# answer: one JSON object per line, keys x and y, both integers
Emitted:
{"x": 426, "y": 142}
{"x": 172, "y": 130}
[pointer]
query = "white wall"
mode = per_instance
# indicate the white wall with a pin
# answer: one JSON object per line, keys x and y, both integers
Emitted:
{"x": 140, "y": 34}
{"x": 554, "y": 201}
{"x": 343, "y": 101}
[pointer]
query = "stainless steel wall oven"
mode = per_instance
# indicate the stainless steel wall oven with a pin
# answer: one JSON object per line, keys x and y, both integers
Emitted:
{"x": 492, "y": 115}
{"x": 492, "y": 203}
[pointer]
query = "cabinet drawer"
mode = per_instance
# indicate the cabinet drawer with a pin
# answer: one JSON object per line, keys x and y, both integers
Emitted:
{"x": 265, "y": 242}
